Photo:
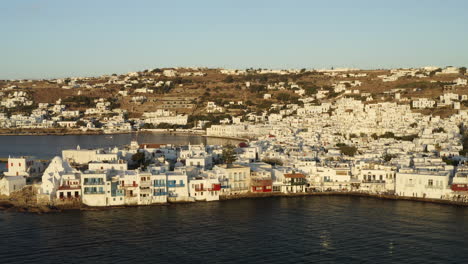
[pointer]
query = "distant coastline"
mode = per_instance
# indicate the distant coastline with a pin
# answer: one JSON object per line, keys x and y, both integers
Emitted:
{"x": 59, "y": 132}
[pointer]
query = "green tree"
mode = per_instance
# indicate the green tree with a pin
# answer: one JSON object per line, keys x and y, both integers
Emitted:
{"x": 347, "y": 150}
{"x": 229, "y": 79}
{"x": 80, "y": 123}
{"x": 229, "y": 155}
{"x": 388, "y": 157}
{"x": 139, "y": 159}
{"x": 463, "y": 70}
{"x": 147, "y": 126}
{"x": 273, "y": 161}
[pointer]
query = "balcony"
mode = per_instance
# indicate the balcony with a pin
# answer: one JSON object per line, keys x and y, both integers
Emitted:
{"x": 93, "y": 182}
{"x": 160, "y": 193}
{"x": 175, "y": 185}
{"x": 69, "y": 198}
{"x": 159, "y": 185}
{"x": 130, "y": 185}
{"x": 433, "y": 187}
{"x": 373, "y": 181}
{"x": 69, "y": 187}
{"x": 145, "y": 190}
{"x": 145, "y": 184}
{"x": 94, "y": 192}
{"x": 298, "y": 183}
{"x": 215, "y": 187}
{"x": 116, "y": 194}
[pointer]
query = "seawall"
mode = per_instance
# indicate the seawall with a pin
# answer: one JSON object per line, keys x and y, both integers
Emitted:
{"x": 37, "y": 208}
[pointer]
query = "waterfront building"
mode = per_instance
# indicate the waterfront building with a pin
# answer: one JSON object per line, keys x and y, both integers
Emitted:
{"x": 204, "y": 188}
{"x": 94, "y": 189}
{"x": 422, "y": 183}
{"x": 376, "y": 178}
{"x": 24, "y": 166}
{"x": 10, "y": 184}
{"x": 234, "y": 178}
{"x": 69, "y": 189}
{"x": 177, "y": 186}
{"x": 288, "y": 181}
{"x": 159, "y": 187}
{"x": 59, "y": 175}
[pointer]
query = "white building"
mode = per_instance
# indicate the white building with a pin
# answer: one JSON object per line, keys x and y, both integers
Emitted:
{"x": 56, "y": 175}
{"x": 422, "y": 103}
{"x": 84, "y": 156}
{"x": 422, "y": 183}
{"x": 204, "y": 189}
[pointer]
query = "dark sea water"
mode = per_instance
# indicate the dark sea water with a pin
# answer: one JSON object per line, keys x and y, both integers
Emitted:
{"x": 46, "y": 147}
{"x": 271, "y": 230}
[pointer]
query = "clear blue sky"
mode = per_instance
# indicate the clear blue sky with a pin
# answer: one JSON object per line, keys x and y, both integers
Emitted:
{"x": 57, "y": 38}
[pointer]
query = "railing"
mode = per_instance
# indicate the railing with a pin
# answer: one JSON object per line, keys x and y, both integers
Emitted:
{"x": 68, "y": 187}
{"x": 145, "y": 184}
{"x": 159, "y": 185}
{"x": 160, "y": 193}
{"x": 176, "y": 185}
{"x": 207, "y": 189}
{"x": 69, "y": 197}
{"x": 240, "y": 188}
{"x": 298, "y": 183}
{"x": 216, "y": 187}
{"x": 173, "y": 195}
{"x": 433, "y": 187}
{"x": 129, "y": 185}
{"x": 373, "y": 181}
{"x": 93, "y": 183}
{"x": 94, "y": 192}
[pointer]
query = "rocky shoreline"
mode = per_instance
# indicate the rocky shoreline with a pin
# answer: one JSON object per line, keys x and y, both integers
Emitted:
{"x": 12, "y": 206}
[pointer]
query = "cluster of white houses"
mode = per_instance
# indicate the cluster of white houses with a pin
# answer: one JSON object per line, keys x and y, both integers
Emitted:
{"x": 273, "y": 164}
{"x": 103, "y": 114}
{"x": 352, "y": 143}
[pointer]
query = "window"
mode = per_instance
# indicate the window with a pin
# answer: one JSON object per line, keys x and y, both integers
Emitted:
{"x": 430, "y": 183}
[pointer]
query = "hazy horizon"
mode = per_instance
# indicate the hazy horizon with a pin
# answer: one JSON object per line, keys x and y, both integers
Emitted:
{"x": 54, "y": 39}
